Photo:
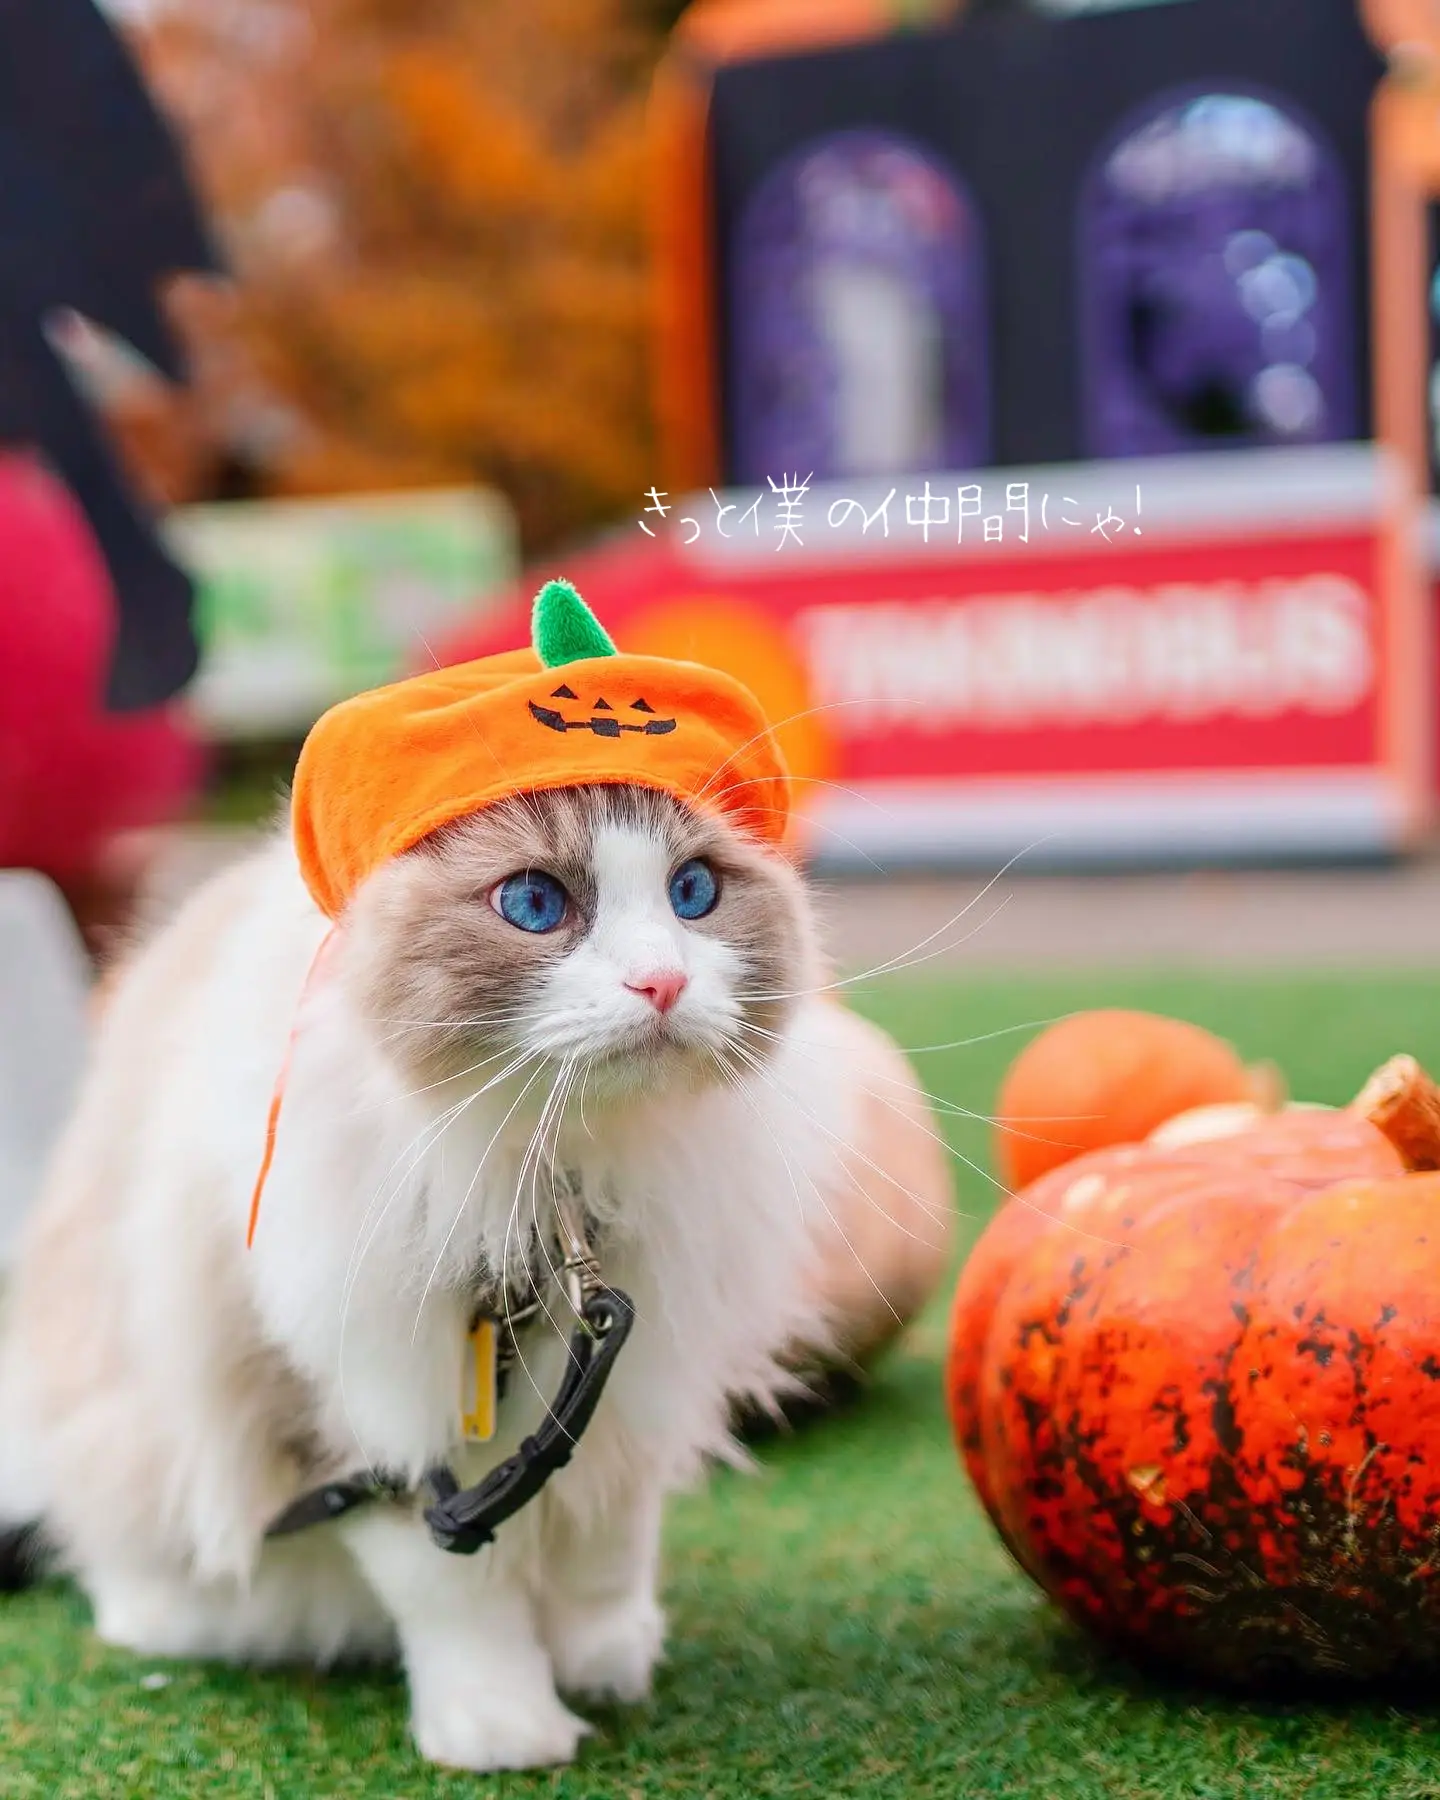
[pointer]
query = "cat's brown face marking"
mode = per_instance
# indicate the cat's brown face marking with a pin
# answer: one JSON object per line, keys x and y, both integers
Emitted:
{"x": 448, "y": 982}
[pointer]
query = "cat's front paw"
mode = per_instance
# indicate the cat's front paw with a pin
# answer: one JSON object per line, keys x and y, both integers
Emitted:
{"x": 485, "y": 1731}
{"x": 607, "y": 1652}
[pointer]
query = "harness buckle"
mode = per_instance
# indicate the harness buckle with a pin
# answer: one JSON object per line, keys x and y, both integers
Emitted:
{"x": 462, "y": 1520}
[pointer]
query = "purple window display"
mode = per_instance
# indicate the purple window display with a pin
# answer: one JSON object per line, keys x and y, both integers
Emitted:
{"x": 857, "y": 308}
{"x": 1215, "y": 245}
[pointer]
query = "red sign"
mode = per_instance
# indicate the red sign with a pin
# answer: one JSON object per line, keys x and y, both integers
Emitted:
{"x": 1244, "y": 674}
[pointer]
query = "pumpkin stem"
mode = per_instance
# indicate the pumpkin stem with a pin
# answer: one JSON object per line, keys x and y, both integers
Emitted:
{"x": 1403, "y": 1102}
{"x": 563, "y": 628}
{"x": 1269, "y": 1092}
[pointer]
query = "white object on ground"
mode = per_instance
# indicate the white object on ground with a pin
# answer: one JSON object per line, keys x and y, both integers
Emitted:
{"x": 44, "y": 989}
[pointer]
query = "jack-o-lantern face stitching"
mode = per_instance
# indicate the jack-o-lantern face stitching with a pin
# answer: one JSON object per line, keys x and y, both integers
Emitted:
{"x": 602, "y": 720}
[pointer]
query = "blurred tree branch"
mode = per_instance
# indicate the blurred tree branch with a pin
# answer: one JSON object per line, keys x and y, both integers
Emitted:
{"x": 435, "y": 210}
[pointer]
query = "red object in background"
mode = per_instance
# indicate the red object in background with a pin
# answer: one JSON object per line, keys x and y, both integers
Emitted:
{"x": 71, "y": 775}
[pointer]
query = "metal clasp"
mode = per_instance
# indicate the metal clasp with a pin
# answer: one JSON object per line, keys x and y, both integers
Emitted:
{"x": 580, "y": 1271}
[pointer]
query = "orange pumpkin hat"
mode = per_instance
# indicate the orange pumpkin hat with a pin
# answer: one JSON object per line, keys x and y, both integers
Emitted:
{"x": 382, "y": 771}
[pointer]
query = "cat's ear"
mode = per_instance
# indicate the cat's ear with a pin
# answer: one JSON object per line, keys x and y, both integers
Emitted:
{"x": 564, "y": 630}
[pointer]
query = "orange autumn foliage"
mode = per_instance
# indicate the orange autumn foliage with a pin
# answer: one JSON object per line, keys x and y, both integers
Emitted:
{"x": 435, "y": 212}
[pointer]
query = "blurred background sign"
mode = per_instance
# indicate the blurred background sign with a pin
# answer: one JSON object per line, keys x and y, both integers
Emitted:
{"x": 1161, "y": 284}
{"x": 1171, "y": 255}
{"x": 492, "y": 273}
{"x": 303, "y": 602}
{"x": 1227, "y": 670}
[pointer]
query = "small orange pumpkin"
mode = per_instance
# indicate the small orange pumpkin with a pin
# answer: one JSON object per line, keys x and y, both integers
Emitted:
{"x": 1108, "y": 1077}
{"x": 1198, "y": 1390}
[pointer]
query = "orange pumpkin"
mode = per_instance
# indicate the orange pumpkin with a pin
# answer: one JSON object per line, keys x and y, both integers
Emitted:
{"x": 1101, "y": 1078}
{"x": 1198, "y": 1390}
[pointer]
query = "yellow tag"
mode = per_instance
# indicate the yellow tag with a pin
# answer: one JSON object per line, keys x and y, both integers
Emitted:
{"x": 478, "y": 1382}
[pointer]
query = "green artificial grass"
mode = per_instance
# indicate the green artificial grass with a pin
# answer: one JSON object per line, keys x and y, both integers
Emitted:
{"x": 845, "y": 1622}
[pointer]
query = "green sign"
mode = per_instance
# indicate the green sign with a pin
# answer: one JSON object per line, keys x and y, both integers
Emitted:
{"x": 302, "y": 602}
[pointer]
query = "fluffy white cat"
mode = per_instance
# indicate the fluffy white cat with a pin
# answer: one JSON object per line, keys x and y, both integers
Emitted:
{"x": 598, "y": 984}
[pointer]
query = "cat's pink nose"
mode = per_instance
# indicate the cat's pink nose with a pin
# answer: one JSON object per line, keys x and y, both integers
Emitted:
{"x": 662, "y": 990}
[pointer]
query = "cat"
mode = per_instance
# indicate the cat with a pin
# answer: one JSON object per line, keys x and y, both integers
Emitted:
{"x": 596, "y": 986}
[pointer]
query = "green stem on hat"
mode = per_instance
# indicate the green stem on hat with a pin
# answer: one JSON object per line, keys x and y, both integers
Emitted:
{"x": 564, "y": 630}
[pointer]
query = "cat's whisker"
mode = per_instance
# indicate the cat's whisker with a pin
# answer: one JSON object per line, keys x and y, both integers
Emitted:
{"x": 948, "y": 1108}
{"x": 840, "y": 1231}
{"x": 984, "y": 1037}
{"x": 542, "y": 1235}
{"x": 465, "y": 1199}
{"x": 401, "y": 1095}
{"x": 443, "y": 1031}
{"x": 586, "y": 1072}
{"x": 513, "y": 1217}
{"x": 898, "y": 966}
{"x": 573, "y": 1069}
{"x": 434, "y": 1133}
{"x": 844, "y": 1144}
{"x": 909, "y": 959}
{"x": 562, "y": 1079}
{"x": 812, "y": 824}
{"x": 510, "y": 1223}
{"x": 936, "y": 1218}
{"x": 809, "y": 712}
{"x": 434, "y": 1129}
{"x": 554, "y": 1110}
{"x": 978, "y": 1169}
{"x": 517, "y": 1062}
{"x": 764, "y": 1071}
{"x": 831, "y": 832}
{"x": 359, "y": 1253}
{"x": 572, "y": 1077}
{"x": 838, "y": 787}
{"x": 852, "y": 981}
{"x": 459, "y": 1023}
{"x": 1006, "y": 1193}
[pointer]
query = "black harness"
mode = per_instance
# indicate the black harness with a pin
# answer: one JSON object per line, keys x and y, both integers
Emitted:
{"x": 461, "y": 1520}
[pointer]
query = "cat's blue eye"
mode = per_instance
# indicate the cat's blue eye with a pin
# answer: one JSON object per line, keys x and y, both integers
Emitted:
{"x": 694, "y": 889}
{"x": 533, "y": 901}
